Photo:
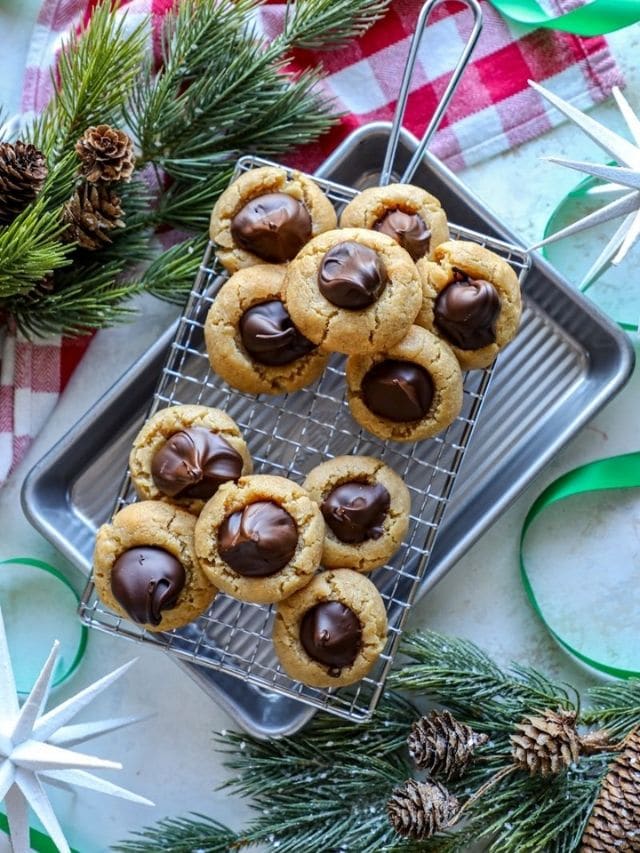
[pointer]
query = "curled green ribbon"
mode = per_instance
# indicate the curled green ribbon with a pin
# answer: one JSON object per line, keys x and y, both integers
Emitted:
{"x": 617, "y": 472}
{"x": 593, "y": 19}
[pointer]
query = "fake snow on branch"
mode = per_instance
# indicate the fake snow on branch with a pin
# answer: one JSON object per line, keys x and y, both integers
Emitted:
{"x": 623, "y": 178}
{"x": 35, "y": 747}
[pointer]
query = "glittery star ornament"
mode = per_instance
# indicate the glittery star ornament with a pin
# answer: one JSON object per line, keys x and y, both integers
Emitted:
{"x": 624, "y": 178}
{"x": 35, "y": 747}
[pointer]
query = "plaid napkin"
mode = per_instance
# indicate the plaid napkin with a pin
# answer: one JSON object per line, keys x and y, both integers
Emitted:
{"x": 492, "y": 111}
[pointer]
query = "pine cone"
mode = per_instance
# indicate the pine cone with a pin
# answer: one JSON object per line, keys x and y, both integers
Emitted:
{"x": 441, "y": 745}
{"x": 420, "y": 809}
{"x": 23, "y": 170}
{"x": 92, "y": 213}
{"x": 614, "y": 823}
{"x": 106, "y": 154}
{"x": 546, "y": 744}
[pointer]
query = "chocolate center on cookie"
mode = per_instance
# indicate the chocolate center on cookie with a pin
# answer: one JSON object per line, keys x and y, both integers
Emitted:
{"x": 145, "y": 581}
{"x": 398, "y": 390}
{"x": 352, "y": 276}
{"x": 407, "y": 229}
{"x": 193, "y": 463}
{"x": 466, "y": 311}
{"x": 331, "y": 633}
{"x": 259, "y": 540}
{"x": 269, "y": 336}
{"x": 355, "y": 511}
{"x": 274, "y": 226}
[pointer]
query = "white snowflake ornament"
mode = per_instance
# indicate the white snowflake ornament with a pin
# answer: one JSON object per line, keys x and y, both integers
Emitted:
{"x": 623, "y": 178}
{"x": 35, "y": 747}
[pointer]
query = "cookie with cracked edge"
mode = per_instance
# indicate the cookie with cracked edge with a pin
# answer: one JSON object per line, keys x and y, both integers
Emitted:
{"x": 260, "y": 539}
{"x": 145, "y": 567}
{"x": 471, "y": 299}
{"x": 408, "y": 392}
{"x": 409, "y": 214}
{"x": 352, "y": 291}
{"x": 366, "y": 508}
{"x": 251, "y": 340}
{"x": 332, "y": 632}
{"x": 264, "y": 216}
{"x": 182, "y": 454}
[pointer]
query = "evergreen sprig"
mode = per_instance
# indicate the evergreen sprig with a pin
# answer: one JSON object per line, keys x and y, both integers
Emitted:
{"x": 182, "y": 835}
{"x": 223, "y": 90}
{"x": 326, "y": 788}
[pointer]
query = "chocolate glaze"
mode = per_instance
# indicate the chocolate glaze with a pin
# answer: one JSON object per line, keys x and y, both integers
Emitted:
{"x": 466, "y": 311}
{"x": 407, "y": 229}
{"x": 145, "y": 581}
{"x": 259, "y": 540}
{"x": 331, "y": 633}
{"x": 351, "y": 275}
{"x": 269, "y": 336}
{"x": 356, "y": 511}
{"x": 273, "y": 226}
{"x": 193, "y": 463}
{"x": 398, "y": 390}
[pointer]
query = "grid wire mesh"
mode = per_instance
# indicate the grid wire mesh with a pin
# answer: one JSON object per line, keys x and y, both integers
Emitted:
{"x": 289, "y": 435}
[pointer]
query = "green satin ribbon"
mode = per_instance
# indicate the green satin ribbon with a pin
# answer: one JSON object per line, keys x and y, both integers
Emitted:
{"x": 618, "y": 472}
{"x": 594, "y": 19}
{"x": 39, "y": 842}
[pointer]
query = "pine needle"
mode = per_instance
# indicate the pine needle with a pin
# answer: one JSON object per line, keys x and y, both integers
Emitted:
{"x": 182, "y": 835}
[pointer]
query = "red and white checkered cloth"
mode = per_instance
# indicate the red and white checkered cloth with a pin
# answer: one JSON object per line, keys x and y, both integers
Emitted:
{"x": 492, "y": 111}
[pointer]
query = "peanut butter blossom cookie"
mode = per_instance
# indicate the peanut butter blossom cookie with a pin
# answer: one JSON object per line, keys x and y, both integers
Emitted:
{"x": 332, "y": 632}
{"x": 408, "y": 392}
{"x": 352, "y": 290}
{"x": 260, "y": 539}
{"x": 145, "y": 568}
{"x": 366, "y": 510}
{"x": 471, "y": 299}
{"x": 266, "y": 216}
{"x": 183, "y": 453}
{"x": 252, "y": 341}
{"x": 410, "y": 215}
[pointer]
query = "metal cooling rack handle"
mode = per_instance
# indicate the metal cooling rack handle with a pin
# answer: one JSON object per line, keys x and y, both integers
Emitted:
{"x": 436, "y": 118}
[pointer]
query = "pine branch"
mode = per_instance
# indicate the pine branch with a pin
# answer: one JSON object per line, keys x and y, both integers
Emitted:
{"x": 615, "y": 706}
{"x": 95, "y": 73}
{"x": 181, "y": 835}
{"x": 461, "y": 676}
{"x": 30, "y": 249}
{"x": 86, "y": 298}
{"x": 172, "y": 274}
{"x": 327, "y": 24}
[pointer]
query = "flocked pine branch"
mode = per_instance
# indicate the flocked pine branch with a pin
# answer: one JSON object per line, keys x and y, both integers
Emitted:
{"x": 182, "y": 835}
{"x": 615, "y": 706}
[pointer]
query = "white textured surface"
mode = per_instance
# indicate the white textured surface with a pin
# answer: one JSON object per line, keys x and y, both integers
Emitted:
{"x": 171, "y": 758}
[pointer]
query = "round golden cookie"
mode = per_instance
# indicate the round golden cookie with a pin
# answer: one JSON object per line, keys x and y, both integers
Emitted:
{"x": 411, "y": 215}
{"x": 339, "y": 587}
{"x": 336, "y": 328}
{"x": 163, "y": 426}
{"x": 228, "y": 353}
{"x": 366, "y": 509}
{"x": 396, "y": 380}
{"x": 476, "y": 323}
{"x": 259, "y": 540}
{"x": 155, "y": 525}
{"x": 295, "y": 226}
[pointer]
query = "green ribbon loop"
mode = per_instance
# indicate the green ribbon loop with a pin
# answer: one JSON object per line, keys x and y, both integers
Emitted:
{"x": 617, "y": 472}
{"x": 593, "y": 19}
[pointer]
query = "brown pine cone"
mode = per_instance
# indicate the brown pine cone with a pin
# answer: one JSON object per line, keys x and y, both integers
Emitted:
{"x": 614, "y": 823}
{"x": 442, "y": 746}
{"x": 420, "y": 809}
{"x": 23, "y": 170}
{"x": 92, "y": 213}
{"x": 106, "y": 154}
{"x": 546, "y": 743}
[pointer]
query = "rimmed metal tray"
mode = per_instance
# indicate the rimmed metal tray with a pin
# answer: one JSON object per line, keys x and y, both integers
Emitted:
{"x": 567, "y": 362}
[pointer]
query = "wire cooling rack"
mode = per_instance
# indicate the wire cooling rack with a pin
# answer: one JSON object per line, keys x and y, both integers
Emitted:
{"x": 289, "y": 435}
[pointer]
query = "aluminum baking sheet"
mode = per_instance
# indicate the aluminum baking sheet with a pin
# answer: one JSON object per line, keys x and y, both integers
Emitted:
{"x": 567, "y": 361}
